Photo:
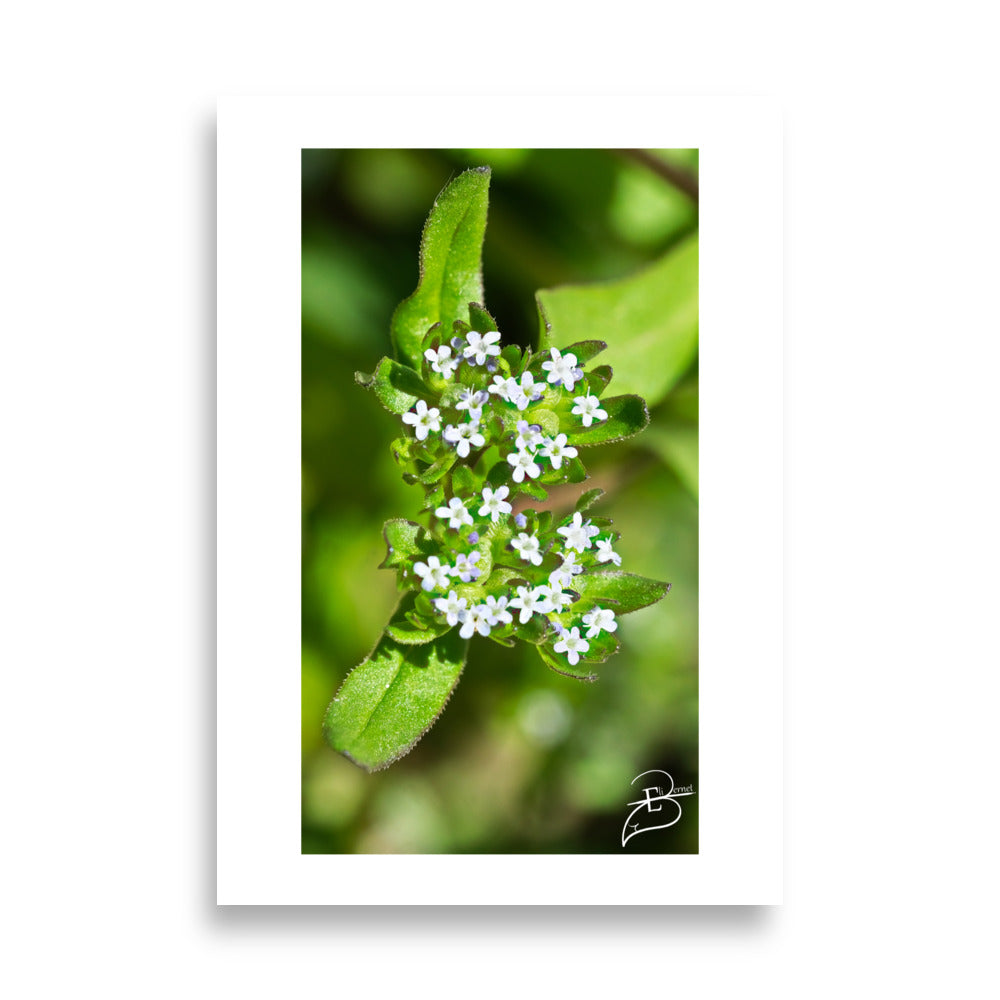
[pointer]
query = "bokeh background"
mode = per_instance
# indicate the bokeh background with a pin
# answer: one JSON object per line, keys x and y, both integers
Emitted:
{"x": 523, "y": 759}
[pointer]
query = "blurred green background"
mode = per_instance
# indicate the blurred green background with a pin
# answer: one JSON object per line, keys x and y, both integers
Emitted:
{"x": 523, "y": 759}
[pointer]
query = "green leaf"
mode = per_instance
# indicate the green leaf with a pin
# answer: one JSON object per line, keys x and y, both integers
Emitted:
{"x": 432, "y": 338}
{"x": 561, "y": 665}
{"x": 392, "y": 698}
{"x": 514, "y": 358}
{"x": 627, "y": 415}
{"x": 535, "y": 630}
{"x": 404, "y": 542}
{"x": 545, "y": 418}
{"x": 464, "y": 481}
{"x": 405, "y": 450}
{"x": 501, "y": 640}
{"x": 451, "y": 249}
{"x": 503, "y": 578}
{"x": 500, "y": 474}
{"x": 650, "y": 320}
{"x": 588, "y": 499}
{"x": 598, "y": 379}
{"x": 628, "y": 591}
{"x": 480, "y": 320}
{"x": 532, "y": 489}
{"x": 408, "y": 633}
{"x": 601, "y": 647}
{"x": 439, "y": 469}
{"x": 584, "y": 350}
{"x": 396, "y": 386}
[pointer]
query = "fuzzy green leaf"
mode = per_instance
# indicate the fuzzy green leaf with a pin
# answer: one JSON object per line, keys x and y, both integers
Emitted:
{"x": 584, "y": 350}
{"x": 515, "y": 359}
{"x": 588, "y": 499}
{"x": 439, "y": 469}
{"x": 627, "y": 415}
{"x": 392, "y": 698}
{"x": 451, "y": 249}
{"x": 536, "y": 630}
{"x": 480, "y": 320}
{"x": 628, "y": 591}
{"x": 650, "y": 319}
{"x": 601, "y": 647}
{"x": 598, "y": 379}
{"x": 405, "y": 631}
{"x": 464, "y": 481}
{"x": 532, "y": 488}
{"x": 404, "y": 542}
{"x": 396, "y": 386}
{"x": 560, "y": 664}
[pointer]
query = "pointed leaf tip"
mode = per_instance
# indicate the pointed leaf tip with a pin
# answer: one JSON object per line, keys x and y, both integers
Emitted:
{"x": 450, "y": 271}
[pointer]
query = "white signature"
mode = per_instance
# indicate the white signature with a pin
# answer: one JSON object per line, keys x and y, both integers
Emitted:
{"x": 630, "y": 829}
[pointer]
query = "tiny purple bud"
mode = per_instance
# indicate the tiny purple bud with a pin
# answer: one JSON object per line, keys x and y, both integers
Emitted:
{"x": 558, "y": 381}
{"x": 491, "y": 366}
{"x": 521, "y": 521}
{"x": 457, "y": 342}
{"x": 473, "y": 537}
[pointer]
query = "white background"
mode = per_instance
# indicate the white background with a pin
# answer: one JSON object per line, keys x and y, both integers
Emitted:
{"x": 891, "y": 215}
{"x": 259, "y": 319}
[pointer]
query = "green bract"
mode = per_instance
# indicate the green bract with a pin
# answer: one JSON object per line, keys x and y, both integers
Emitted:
{"x": 486, "y": 429}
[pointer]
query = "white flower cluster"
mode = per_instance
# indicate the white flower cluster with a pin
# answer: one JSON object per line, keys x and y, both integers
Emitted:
{"x": 494, "y": 506}
{"x": 479, "y": 618}
{"x": 435, "y": 575}
{"x": 531, "y": 446}
{"x": 477, "y": 349}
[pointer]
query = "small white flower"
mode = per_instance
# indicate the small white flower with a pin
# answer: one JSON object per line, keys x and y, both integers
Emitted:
{"x": 433, "y": 575}
{"x": 530, "y": 601}
{"x": 563, "y": 576}
{"x": 562, "y": 369}
{"x": 527, "y": 392}
{"x": 600, "y": 619}
{"x": 481, "y": 346}
{"x": 556, "y": 449}
{"x": 471, "y": 399}
{"x": 572, "y": 376}
{"x": 503, "y": 387}
{"x": 464, "y": 437}
{"x": 425, "y": 419}
{"x": 529, "y": 436}
{"x": 572, "y": 645}
{"x": 528, "y": 547}
{"x": 442, "y": 361}
{"x": 588, "y": 409}
{"x": 477, "y": 619}
{"x": 452, "y": 607}
{"x": 554, "y": 366}
{"x": 495, "y": 503}
{"x": 578, "y": 534}
{"x": 555, "y": 596}
{"x": 524, "y": 465}
{"x": 465, "y": 567}
{"x": 497, "y": 613}
{"x": 455, "y": 512}
{"x": 607, "y": 554}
